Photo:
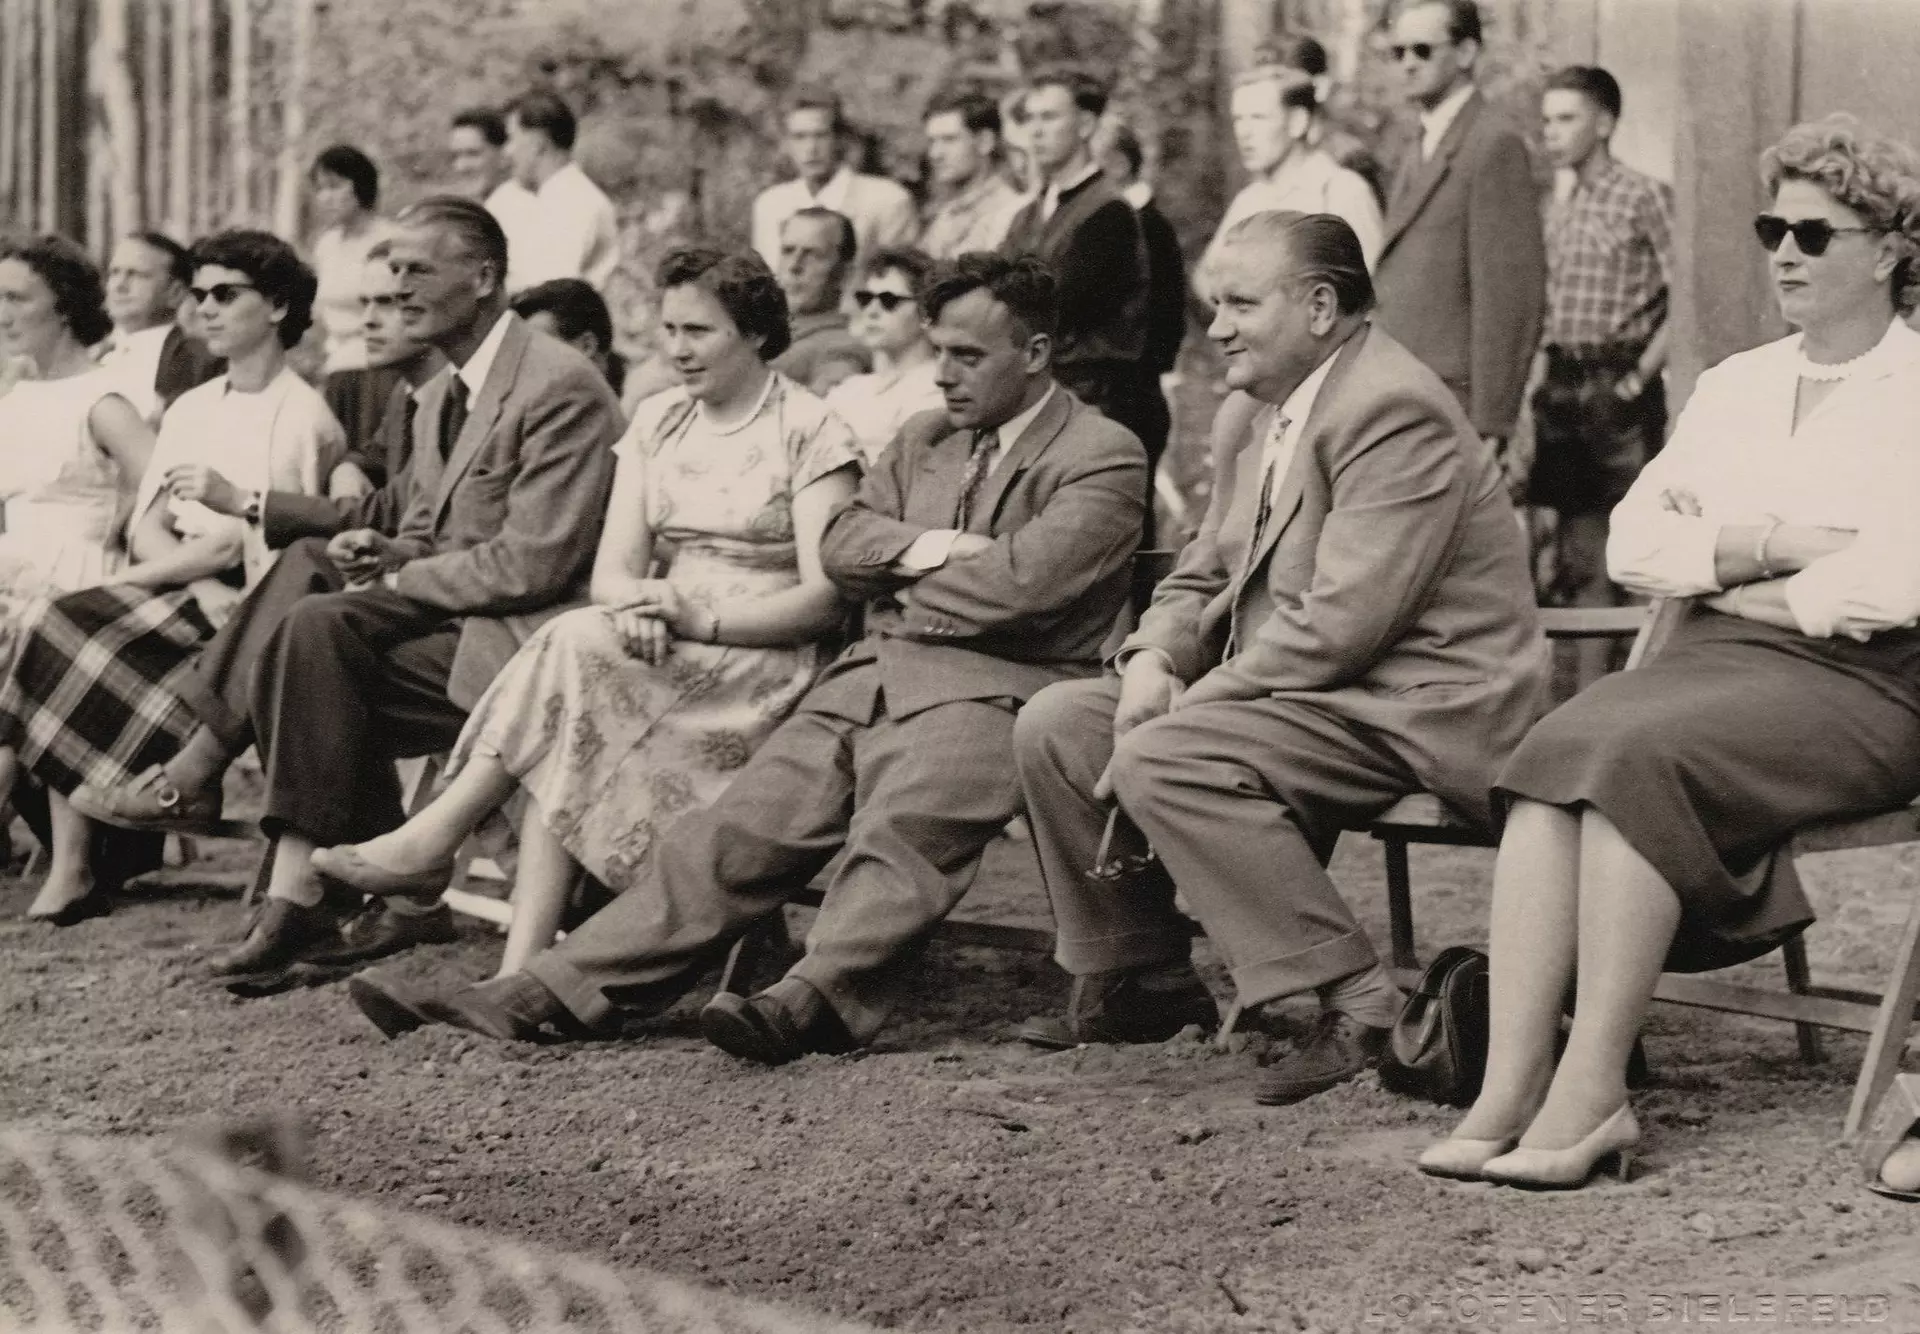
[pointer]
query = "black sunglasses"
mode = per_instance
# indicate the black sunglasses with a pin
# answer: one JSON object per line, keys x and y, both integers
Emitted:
{"x": 223, "y": 294}
{"x": 889, "y": 301}
{"x": 1422, "y": 51}
{"x": 1812, "y": 235}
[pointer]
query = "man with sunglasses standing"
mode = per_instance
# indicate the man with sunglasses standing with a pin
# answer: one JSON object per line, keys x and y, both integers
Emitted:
{"x": 1600, "y": 409}
{"x": 1462, "y": 273}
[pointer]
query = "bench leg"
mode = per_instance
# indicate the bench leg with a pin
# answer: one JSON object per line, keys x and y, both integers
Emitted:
{"x": 1889, "y": 1037}
{"x": 1400, "y": 903}
{"x": 1794, "y": 955}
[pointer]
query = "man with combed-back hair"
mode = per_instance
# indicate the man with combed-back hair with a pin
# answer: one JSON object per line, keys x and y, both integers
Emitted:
{"x": 1353, "y": 622}
{"x": 990, "y": 547}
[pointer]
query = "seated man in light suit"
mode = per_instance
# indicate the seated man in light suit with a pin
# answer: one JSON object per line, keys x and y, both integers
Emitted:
{"x": 1353, "y": 622}
{"x": 990, "y": 545}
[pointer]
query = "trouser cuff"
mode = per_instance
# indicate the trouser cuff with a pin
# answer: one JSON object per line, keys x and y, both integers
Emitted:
{"x": 582, "y": 999}
{"x": 1303, "y": 970}
{"x": 1080, "y": 955}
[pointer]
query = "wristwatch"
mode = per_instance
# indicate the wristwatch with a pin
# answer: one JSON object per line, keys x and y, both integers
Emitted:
{"x": 251, "y": 510}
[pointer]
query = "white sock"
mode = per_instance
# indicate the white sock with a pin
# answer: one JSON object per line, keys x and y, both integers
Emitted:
{"x": 1368, "y": 996}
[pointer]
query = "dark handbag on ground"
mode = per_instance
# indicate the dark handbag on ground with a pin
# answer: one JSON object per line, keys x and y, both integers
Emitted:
{"x": 1438, "y": 1047}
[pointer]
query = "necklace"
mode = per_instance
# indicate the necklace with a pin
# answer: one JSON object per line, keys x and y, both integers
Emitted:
{"x": 1838, "y": 370}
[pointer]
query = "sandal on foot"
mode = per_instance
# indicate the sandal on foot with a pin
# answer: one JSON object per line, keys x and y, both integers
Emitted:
{"x": 150, "y": 803}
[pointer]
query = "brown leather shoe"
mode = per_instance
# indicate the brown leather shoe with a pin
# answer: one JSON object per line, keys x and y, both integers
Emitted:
{"x": 1339, "y": 1048}
{"x": 151, "y": 803}
{"x": 515, "y": 1008}
{"x": 281, "y": 933}
{"x": 775, "y": 1026}
{"x": 1127, "y": 1006}
{"x": 377, "y": 932}
{"x": 394, "y": 1006}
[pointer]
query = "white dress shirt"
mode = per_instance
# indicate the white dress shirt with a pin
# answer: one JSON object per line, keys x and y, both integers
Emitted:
{"x": 480, "y": 364}
{"x": 880, "y": 210}
{"x": 931, "y": 549}
{"x": 1434, "y": 124}
{"x": 566, "y": 229}
{"x": 1854, "y": 463}
{"x": 135, "y": 361}
{"x": 1309, "y": 181}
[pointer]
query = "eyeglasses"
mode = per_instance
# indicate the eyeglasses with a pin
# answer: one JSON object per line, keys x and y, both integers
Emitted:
{"x": 1420, "y": 51}
{"x": 1812, "y": 235}
{"x": 223, "y": 294}
{"x": 888, "y": 301}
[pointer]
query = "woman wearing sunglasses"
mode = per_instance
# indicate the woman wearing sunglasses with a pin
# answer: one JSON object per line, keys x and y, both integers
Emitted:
{"x": 887, "y": 319}
{"x": 86, "y": 701}
{"x": 1645, "y": 816}
{"x": 616, "y": 719}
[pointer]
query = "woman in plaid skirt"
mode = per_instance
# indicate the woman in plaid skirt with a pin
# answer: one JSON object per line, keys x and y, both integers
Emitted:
{"x": 88, "y": 697}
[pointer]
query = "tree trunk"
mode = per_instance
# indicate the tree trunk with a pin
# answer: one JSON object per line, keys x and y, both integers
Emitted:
{"x": 180, "y": 218}
{"x": 200, "y": 13}
{"x": 240, "y": 110}
{"x": 153, "y": 111}
{"x": 293, "y": 132}
{"x": 49, "y": 147}
{"x": 112, "y": 84}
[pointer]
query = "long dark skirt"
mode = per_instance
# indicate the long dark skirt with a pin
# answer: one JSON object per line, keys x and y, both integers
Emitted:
{"x": 91, "y": 698}
{"x": 1710, "y": 757}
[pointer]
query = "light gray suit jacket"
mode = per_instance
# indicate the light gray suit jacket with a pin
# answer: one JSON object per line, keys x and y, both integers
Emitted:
{"x": 1064, "y": 507}
{"x": 1391, "y": 586}
{"x": 1462, "y": 274}
{"x": 501, "y": 534}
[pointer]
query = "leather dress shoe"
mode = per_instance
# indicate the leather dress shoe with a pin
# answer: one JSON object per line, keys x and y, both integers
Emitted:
{"x": 394, "y": 1006}
{"x": 1339, "y": 1048}
{"x": 282, "y": 933}
{"x": 1127, "y": 1006}
{"x": 515, "y": 1008}
{"x": 151, "y": 803}
{"x": 378, "y": 931}
{"x": 783, "y": 1023}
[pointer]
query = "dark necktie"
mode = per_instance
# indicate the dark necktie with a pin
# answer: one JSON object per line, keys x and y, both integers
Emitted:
{"x": 453, "y": 416}
{"x": 400, "y": 450}
{"x": 979, "y": 464}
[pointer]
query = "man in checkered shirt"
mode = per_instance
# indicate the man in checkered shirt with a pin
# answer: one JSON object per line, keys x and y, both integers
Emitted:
{"x": 1600, "y": 409}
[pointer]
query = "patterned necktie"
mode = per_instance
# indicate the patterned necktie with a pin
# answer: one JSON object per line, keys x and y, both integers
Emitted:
{"x": 453, "y": 416}
{"x": 1262, "y": 516}
{"x": 974, "y": 478}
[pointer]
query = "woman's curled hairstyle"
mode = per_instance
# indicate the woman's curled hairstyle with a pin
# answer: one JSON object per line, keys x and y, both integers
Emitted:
{"x": 743, "y": 285}
{"x": 1875, "y": 175}
{"x": 79, "y": 296}
{"x": 275, "y": 269}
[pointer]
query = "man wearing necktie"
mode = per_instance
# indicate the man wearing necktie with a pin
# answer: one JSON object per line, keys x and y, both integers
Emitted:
{"x": 990, "y": 546}
{"x": 1353, "y": 622}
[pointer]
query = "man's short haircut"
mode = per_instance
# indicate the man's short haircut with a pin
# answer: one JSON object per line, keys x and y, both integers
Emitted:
{"x": 1591, "y": 82}
{"x": 843, "y": 226}
{"x": 179, "y": 258}
{"x": 1127, "y": 144}
{"x": 272, "y": 266}
{"x": 1294, "y": 84}
{"x": 490, "y": 123}
{"x": 978, "y": 112}
{"x": 915, "y": 263}
{"x": 478, "y": 230}
{"x": 1321, "y": 248}
{"x": 544, "y": 110}
{"x": 815, "y": 98}
{"x": 576, "y": 309}
{"x": 743, "y": 285}
{"x": 353, "y": 167}
{"x": 1463, "y": 18}
{"x": 79, "y": 296}
{"x": 1022, "y": 283}
{"x": 1295, "y": 50}
{"x": 1089, "y": 94}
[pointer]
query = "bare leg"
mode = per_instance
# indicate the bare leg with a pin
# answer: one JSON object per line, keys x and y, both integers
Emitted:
{"x": 9, "y": 771}
{"x": 546, "y": 877}
{"x": 432, "y": 837}
{"x": 1535, "y": 901}
{"x": 1627, "y": 916}
{"x": 70, "y": 872}
{"x": 293, "y": 877}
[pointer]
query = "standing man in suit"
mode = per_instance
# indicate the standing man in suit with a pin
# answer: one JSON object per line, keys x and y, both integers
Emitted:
{"x": 1089, "y": 236}
{"x": 990, "y": 546}
{"x": 817, "y": 144}
{"x": 1462, "y": 275}
{"x": 147, "y": 278}
{"x": 1353, "y": 622}
{"x": 508, "y": 489}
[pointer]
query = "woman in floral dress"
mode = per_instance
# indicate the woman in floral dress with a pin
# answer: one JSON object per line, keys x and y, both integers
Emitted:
{"x": 617, "y": 718}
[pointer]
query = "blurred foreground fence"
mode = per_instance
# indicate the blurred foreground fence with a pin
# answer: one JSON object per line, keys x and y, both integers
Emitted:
{"x": 122, "y": 1235}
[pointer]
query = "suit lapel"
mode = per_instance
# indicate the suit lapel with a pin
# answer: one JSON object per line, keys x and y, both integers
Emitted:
{"x": 484, "y": 413}
{"x": 1021, "y": 453}
{"x": 1424, "y": 180}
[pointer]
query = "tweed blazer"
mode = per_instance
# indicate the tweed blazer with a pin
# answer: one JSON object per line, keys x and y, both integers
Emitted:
{"x": 1064, "y": 508}
{"x": 1391, "y": 586}
{"x": 501, "y": 534}
{"x": 1462, "y": 274}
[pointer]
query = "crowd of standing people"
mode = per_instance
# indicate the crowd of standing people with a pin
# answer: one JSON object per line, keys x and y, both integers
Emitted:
{"x": 849, "y": 595}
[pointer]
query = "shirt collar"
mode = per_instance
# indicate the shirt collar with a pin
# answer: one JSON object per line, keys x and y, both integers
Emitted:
{"x": 1075, "y": 181}
{"x": 474, "y": 373}
{"x": 1299, "y": 404}
{"x": 153, "y": 338}
{"x": 1139, "y": 194}
{"x": 1434, "y": 124}
{"x": 1011, "y": 431}
{"x": 833, "y": 194}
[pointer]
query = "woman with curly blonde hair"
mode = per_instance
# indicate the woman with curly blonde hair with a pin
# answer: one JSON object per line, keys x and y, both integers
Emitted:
{"x": 1646, "y": 816}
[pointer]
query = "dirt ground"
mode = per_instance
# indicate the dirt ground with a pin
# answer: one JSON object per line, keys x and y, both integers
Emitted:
{"x": 950, "y": 1179}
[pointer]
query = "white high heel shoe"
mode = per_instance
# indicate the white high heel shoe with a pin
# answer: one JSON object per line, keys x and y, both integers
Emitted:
{"x": 1612, "y": 1141}
{"x": 1462, "y": 1159}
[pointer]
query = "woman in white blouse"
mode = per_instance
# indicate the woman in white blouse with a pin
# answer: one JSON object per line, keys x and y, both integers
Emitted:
{"x": 1646, "y": 815}
{"x": 887, "y": 319}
